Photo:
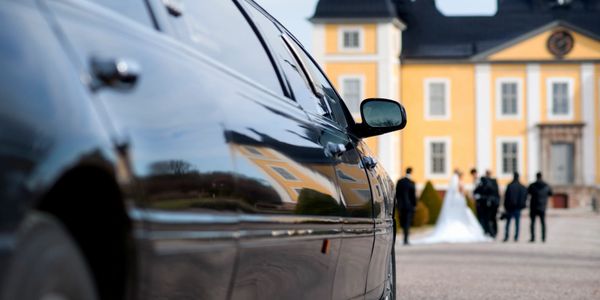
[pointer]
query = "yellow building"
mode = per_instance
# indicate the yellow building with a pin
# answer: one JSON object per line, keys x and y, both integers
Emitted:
{"x": 517, "y": 91}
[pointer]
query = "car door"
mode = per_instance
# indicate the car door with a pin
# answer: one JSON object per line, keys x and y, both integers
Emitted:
{"x": 163, "y": 104}
{"x": 358, "y": 229}
{"x": 383, "y": 214}
{"x": 290, "y": 222}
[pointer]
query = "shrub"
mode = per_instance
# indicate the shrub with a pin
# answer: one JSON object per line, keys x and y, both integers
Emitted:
{"x": 432, "y": 200}
{"x": 471, "y": 204}
{"x": 421, "y": 215}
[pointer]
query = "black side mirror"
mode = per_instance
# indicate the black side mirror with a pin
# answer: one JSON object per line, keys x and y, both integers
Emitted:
{"x": 380, "y": 116}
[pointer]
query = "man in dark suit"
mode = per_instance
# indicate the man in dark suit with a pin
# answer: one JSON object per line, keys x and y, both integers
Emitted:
{"x": 514, "y": 200}
{"x": 406, "y": 201}
{"x": 481, "y": 194}
{"x": 494, "y": 203}
{"x": 539, "y": 192}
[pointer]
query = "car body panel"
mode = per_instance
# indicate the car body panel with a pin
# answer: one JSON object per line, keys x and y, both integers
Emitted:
{"x": 229, "y": 184}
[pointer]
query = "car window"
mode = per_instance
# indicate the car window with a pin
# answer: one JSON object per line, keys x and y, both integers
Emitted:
{"x": 135, "y": 10}
{"x": 322, "y": 85}
{"x": 296, "y": 78}
{"x": 219, "y": 29}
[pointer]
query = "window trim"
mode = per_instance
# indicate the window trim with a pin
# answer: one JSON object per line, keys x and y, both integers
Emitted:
{"x": 448, "y": 145}
{"x": 499, "y": 114}
{"x": 550, "y": 81}
{"x": 446, "y": 82}
{"x": 361, "y": 38}
{"x": 362, "y": 79}
{"x": 520, "y": 155}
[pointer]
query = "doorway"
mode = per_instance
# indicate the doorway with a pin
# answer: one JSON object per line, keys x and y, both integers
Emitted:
{"x": 562, "y": 163}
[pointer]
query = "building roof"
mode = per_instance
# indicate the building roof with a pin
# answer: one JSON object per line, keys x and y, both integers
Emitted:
{"x": 352, "y": 9}
{"x": 431, "y": 35}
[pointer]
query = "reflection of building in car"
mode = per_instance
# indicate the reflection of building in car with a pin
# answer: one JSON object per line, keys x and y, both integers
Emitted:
{"x": 287, "y": 177}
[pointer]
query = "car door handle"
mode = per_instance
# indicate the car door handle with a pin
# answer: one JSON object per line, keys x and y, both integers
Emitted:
{"x": 119, "y": 73}
{"x": 369, "y": 162}
{"x": 334, "y": 150}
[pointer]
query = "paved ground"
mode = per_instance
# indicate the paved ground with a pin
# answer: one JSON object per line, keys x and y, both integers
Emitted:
{"x": 567, "y": 266}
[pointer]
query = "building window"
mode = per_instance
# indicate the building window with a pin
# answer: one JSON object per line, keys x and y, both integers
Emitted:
{"x": 560, "y": 98}
{"x": 509, "y": 156}
{"x": 437, "y": 162}
{"x": 253, "y": 151}
{"x": 437, "y": 100}
{"x": 508, "y": 97}
{"x": 351, "y": 38}
{"x": 285, "y": 173}
{"x": 345, "y": 177}
{"x": 352, "y": 92}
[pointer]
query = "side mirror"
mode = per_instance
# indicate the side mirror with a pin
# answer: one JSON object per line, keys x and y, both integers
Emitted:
{"x": 380, "y": 116}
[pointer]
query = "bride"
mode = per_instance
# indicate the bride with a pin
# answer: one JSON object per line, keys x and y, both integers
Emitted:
{"x": 456, "y": 222}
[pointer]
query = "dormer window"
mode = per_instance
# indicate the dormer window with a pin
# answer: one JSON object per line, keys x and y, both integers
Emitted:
{"x": 351, "y": 38}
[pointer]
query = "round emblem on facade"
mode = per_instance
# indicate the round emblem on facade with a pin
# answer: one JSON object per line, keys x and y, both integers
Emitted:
{"x": 560, "y": 43}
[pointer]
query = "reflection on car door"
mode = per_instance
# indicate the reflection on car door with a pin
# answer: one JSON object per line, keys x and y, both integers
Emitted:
{"x": 290, "y": 224}
{"x": 383, "y": 213}
{"x": 167, "y": 122}
{"x": 358, "y": 229}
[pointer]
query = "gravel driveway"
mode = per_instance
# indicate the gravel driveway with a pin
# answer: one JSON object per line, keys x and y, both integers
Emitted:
{"x": 567, "y": 266}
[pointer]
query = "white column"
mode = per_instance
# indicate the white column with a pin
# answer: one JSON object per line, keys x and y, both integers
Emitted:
{"x": 389, "y": 150}
{"x": 318, "y": 43}
{"x": 588, "y": 115}
{"x": 483, "y": 115}
{"x": 533, "y": 119}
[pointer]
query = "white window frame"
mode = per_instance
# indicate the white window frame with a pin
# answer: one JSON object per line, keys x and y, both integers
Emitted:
{"x": 361, "y": 79}
{"x": 426, "y": 84}
{"x": 519, "y": 82}
{"x": 361, "y": 38}
{"x": 520, "y": 155}
{"x": 448, "y": 145}
{"x": 550, "y": 104}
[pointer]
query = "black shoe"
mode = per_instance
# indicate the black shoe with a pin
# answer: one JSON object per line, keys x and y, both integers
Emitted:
{"x": 505, "y": 240}
{"x": 532, "y": 241}
{"x": 406, "y": 244}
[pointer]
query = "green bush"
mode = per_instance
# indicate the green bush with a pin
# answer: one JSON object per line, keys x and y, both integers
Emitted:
{"x": 421, "y": 215}
{"x": 432, "y": 200}
{"x": 419, "y": 218}
{"x": 471, "y": 204}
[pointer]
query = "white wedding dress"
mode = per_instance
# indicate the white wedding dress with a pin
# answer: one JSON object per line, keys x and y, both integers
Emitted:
{"x": 456, "y": 222}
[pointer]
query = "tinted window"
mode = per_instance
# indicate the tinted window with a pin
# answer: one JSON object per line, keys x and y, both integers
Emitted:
{"x": 133, "y": 9}
{"x": 295, "y": 77}
{"x": 220, "y": 30}
{"x": 322, "y": 85}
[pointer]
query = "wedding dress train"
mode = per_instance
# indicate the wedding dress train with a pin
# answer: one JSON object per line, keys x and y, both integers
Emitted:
{"x": 456, "y": 222}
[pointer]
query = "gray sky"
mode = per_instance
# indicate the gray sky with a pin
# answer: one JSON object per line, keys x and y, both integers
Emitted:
{"x": 293, "y": 14}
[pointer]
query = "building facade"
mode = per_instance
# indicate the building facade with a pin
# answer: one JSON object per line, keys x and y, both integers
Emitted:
{"x": 517, "y": 91}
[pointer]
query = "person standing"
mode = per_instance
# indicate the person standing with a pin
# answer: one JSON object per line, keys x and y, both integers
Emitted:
{"x": 539, "y": 192}
{"x": 481, "y": 194}
{"x": 514, "y": 200}
{"x": 494, "y": 203}
{"x": 406, "y": 201}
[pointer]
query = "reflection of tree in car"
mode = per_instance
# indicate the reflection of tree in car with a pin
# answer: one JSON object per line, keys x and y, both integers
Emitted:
{"x": 311, "y": 202}
{"x": 176, "y": 184}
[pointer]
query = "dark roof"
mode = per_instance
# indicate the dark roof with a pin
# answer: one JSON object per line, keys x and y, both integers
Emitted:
{"x": 431, "y": 35}
{"x": 344, "y": 9}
